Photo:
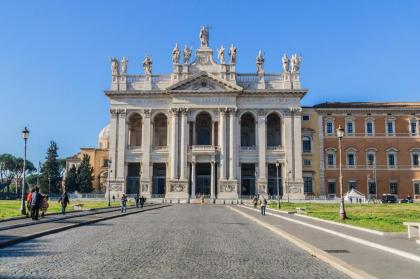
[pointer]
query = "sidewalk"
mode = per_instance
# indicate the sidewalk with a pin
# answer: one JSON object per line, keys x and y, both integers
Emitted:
{"x": 30, "y": 229}
{"x": 341, "y": 243}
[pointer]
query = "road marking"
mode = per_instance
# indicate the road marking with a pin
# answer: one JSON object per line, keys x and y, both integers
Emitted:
{"x": 340, "y": 265}
{"x": 348, "y": 237}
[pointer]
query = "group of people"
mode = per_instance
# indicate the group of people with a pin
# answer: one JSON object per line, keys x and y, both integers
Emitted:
{"x": 140, "y": 200}
{"x": 37, "y": 202}
{"x": 262, "y": 201}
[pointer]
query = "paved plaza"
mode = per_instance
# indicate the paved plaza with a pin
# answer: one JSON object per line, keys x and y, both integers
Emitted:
{"x": 181, "y": 241}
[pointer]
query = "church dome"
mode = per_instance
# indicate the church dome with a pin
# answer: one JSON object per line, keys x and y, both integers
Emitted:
{"x": 103, "y": 137}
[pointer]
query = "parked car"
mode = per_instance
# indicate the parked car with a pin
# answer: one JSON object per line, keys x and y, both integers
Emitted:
{"x": 388, "y": 198}
{"x": 407, "y": 200}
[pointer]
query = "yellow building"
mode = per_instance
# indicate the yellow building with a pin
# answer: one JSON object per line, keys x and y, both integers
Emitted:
{"x": 98, "y": 160}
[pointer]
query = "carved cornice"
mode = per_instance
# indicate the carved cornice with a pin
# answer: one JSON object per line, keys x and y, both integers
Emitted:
{"x": 147, "y": 113}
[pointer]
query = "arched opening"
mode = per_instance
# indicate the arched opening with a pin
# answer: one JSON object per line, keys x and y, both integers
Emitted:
{"x": 103, "y": 181}
{"x": 203, "y": 128}
{"x": 134, "y": 130}
{"x": 160, "y": 130}
{"x": 247, "y": 130}
{"x": 273, "y": 130}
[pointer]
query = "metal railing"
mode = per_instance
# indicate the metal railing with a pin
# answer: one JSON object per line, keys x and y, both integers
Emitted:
{"x": 248, "y": 148}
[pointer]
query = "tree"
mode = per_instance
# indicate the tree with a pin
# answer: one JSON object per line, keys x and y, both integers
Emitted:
{"x": 18, "y": 171}
{"x": 72, "y": 181}
{"x": 85, "y": 173}
{"x": 50, "y": 170}
{"x": 7, "y": 165}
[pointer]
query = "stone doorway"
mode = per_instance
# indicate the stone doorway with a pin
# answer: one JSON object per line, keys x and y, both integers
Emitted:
{"x": 203, "y": 179}
{"x": 247, "y": 180}
{"x": 159, "y": 179}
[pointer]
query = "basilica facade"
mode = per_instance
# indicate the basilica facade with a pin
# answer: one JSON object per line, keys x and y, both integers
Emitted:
{"x": 205, "y": 129}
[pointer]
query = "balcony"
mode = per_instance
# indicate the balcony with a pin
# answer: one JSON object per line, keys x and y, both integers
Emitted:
{"x": 203, "y": 149}
{"x": 249, "y": 148}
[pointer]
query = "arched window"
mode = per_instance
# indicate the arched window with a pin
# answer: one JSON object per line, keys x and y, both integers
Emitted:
{"x": 273, "y": 130}
{"x": 134, "y": 130}
{"x": 247, "y": 130}
{"x": 160, "y": 130}
{"x": 203, "y": 128}
{"x": 306, "y": 144}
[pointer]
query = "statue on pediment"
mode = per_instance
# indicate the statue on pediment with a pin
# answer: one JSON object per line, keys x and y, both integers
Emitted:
{"x": 221, "y": 55}
{"x": 285, "y": 61}
{"x": 114, "y": 66}
{"x": 124, "y": 65}
{"x": 147, "y": 65}
{"x": 295, "y": 63}
{"x": 187, "y": 54}
{"x": 232, "y": 54}
{"x": 260, "y": 62}
{"x": 204, "y": 36}
{"x": 175, "y": 54}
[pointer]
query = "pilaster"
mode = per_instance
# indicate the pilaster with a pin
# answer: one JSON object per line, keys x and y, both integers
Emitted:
{"x": 146, "y": 189}
{"x": 222, "y": 143}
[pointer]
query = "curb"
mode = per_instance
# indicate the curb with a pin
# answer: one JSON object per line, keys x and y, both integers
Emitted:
{"x": 52, "y": 231}
{"x": 340, "y": 265}
{"x": 367, "y": 243}
{"x": 338, "y": 224}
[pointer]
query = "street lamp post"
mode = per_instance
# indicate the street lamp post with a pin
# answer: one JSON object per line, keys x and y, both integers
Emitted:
{"x": 49, "y": 185}
{"x": 25, "y": 136}
{"x": 340, "y": 134}
{"x": 277, "y": 182}
{"x": 109, "y": 183}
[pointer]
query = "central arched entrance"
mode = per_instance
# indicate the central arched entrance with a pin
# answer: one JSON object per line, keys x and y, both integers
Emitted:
{"x": 203, "y": 177}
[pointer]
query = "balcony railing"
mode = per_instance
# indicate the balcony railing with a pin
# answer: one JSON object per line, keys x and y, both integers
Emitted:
{"x": 203, "y": 148}
{"x": 275, "y": 147}
{"x": 248, "y": 148}
{"x": 160, "y": 148}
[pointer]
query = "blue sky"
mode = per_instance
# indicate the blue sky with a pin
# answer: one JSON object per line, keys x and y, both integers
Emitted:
{"x": 55, "y": 55}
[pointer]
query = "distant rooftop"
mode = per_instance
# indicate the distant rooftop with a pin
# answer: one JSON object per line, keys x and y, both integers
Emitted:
{"x": 377, "y": 105}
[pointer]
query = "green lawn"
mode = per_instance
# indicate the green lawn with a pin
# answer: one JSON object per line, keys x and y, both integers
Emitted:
{"x": 382, "y": 217}
{"x": 11, "y": 208}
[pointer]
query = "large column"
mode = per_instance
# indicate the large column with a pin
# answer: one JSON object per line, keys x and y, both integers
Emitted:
{"x": 262, "y": 147}
{"x": 146, "y": 186}
{"x": 193, "y": 178}
{"x": 184, "y": 141}
{"x": 222, "y": 143}
{"x": 121, "y": 138}
{"x": 113, "y": 129}
{"x": 212, "y": 133}
{"x": 174, "y": 143}
{"x": 232, "y": 144}
{"x": 212, "y": 184}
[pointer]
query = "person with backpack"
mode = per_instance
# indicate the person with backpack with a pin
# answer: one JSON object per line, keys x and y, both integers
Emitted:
{"x": 142, "y": 200}
{"x": 64, "y": 200}
{"x": 263, "y": 203}
{"x": 123, "y": 203}
{"x": 28, "y": 201}
{"x": 35, "y": 203}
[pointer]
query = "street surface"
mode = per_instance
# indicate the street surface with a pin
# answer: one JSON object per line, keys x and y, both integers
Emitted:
{"x": 180, "y": 241}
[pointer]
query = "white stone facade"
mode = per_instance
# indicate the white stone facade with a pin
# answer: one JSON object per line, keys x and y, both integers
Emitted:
{"x": 224, "y": 130}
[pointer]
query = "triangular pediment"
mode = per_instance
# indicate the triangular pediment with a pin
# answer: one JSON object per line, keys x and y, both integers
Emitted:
{"x": 204, "y": 82}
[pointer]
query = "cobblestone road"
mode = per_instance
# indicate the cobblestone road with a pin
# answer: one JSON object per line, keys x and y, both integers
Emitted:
{"x": 181, "y": 241}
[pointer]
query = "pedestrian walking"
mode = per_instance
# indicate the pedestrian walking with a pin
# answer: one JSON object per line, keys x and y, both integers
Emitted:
{"x": 263, "y": 203}
{"x": 123, "y": 203}
{"x": 64, "y": 200}
{"x": 202, "y": 200}
{"x": 255, "y": 201}
{"x": 28, "y": 201}
{"x": 137, "y": 199}
{"x": 142, "y": 201}
{"x": 35, "y": 203}
{"x": 113, "y": 198}
{"x": 44, "y": 205}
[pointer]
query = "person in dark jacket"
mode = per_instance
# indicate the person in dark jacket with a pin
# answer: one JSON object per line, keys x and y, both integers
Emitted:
{"x": 36, "y": 198}
{"x": 142, "y": 200}
{"x": 64, "y": 200}
{"x": 123, "y": 203}
{"x": 137, "y": 199}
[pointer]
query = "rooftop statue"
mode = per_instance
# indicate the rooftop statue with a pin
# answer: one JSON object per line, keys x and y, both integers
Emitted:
{"x": 232, "y": 54}
{"x": 204, "y": 36}
{"x": 221, "y": 55}
{"x": 260, "y": 62}
{"x": 285, "y": 60}
{"x": 175, "y": 54}
{"x": 295, "y": 63}
{"x": 114, "y": 66}
{"x": 187, "y": 54}
{"x": 147, "y": 65}
{"x": 124, "y": 65}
